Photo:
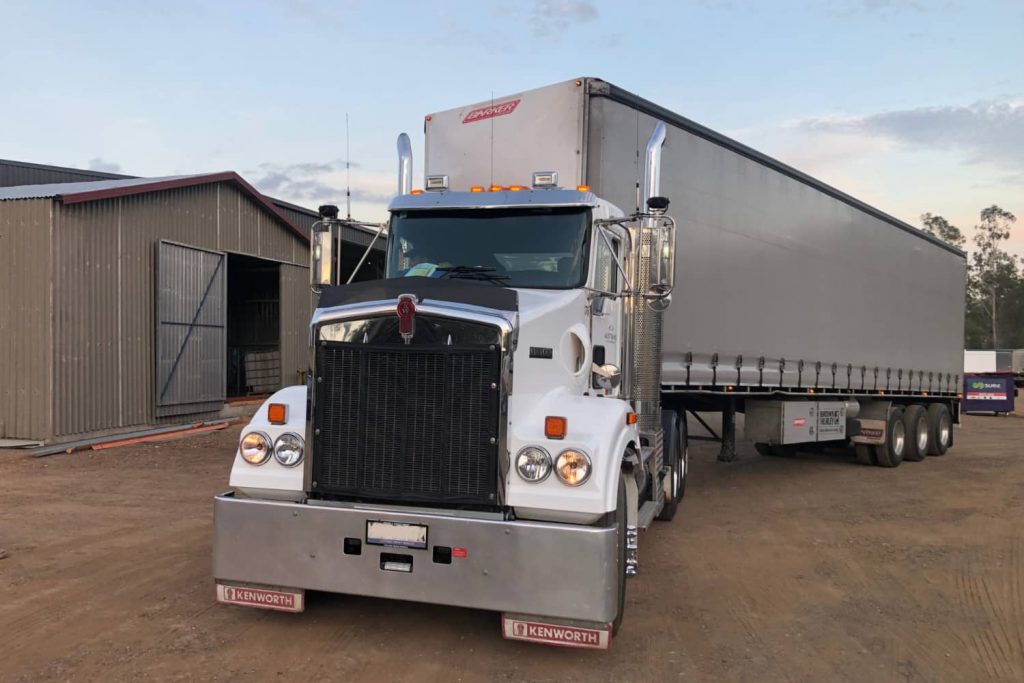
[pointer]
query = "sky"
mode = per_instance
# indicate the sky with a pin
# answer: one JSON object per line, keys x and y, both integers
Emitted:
{"x": 910, "y": 105}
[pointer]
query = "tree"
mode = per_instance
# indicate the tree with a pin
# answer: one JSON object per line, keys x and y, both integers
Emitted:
{"x": 993, "y": 273}
{"x": 937, "y": 226}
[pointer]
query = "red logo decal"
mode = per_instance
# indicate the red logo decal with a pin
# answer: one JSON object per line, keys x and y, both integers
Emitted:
{"x": 490, "y": 111}
{"x": 406, "y": 311}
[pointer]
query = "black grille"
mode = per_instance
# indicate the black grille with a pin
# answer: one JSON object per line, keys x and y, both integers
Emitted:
{"x": 407, "y": 423}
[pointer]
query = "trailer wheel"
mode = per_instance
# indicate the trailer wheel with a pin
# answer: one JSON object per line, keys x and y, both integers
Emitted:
{"x": 677, "y": 461}
{"x": 915, "y": 422}
{"x": 890, "y": 453}
{"x": 620, "y": 520}
{"x": 865, "y": 454}
{"x": 940, "y": 429}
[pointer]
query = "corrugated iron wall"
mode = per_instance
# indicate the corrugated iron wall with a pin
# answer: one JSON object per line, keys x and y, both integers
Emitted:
{"x": 104, "y": 293}
{"x": 25, "y": 322}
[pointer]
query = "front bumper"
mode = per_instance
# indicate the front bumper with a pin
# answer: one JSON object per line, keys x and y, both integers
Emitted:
{"x": 546, "y": 569}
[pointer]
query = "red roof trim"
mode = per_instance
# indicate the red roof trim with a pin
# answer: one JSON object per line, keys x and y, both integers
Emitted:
{"x": 188, "y": 181}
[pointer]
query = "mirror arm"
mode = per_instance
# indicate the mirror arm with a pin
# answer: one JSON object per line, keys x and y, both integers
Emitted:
{"x": 380, "y": 230}
{"x": 611, "y": 250}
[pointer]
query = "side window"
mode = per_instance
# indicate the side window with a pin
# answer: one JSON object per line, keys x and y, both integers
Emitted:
{"x": 606, "y": 273}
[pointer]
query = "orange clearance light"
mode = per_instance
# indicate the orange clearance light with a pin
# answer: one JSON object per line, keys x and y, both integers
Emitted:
{"x": 583, "y": 188}
{"x": 810, "y": 391}
{"x": 555, "y": 427}
{"x": 277, "y": 413}
{"x": 631, "y": 418}
{"x": 477, "y": 188}
{"x": 416, "y": 192}
{"x": 496, "y": 188}
{"x": 729, "y": 387}
{"x": 516, "y": 188}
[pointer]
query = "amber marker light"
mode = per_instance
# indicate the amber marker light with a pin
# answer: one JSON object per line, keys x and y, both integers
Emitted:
{"x": 477, "y": 188}
{"x": 496, "y": 188}
{"x": 583, "y": 188}
{"x": 631, "y": 418}
{"x": 416, "y": 192}
{"x": 277, "y": 413}
{"x": 555, "y": 427}
{"x": 516, "y": 188}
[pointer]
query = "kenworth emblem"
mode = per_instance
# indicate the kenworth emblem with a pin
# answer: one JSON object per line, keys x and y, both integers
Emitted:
{"x": 406, "y": 311}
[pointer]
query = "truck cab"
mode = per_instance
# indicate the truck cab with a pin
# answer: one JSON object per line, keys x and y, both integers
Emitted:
{"x": 471, "y": 433}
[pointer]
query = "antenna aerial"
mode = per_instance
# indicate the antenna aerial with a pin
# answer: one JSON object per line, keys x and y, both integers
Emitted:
{"x": 492, "y": 140}
{"x": 348, "y": 173}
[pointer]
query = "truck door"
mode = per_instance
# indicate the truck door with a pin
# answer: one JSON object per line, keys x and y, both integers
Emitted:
{"x": 606, "y": 307}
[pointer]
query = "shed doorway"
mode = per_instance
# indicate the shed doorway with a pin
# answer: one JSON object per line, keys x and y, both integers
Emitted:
{"x": 253, "y": 326}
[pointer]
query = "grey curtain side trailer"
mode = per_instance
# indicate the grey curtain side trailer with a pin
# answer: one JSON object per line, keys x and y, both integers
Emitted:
{"x": 783, "y": 282}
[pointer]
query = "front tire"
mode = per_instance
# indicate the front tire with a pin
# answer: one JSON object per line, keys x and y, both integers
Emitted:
{"x": 620, "y": 519}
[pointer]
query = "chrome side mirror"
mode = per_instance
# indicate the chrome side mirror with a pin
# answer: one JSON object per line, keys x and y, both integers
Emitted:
{"x": 607, "y": 376}
{"x": 321, "y": 255}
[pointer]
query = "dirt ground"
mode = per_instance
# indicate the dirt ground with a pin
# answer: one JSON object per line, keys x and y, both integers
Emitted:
{"x": 804, "y": 569}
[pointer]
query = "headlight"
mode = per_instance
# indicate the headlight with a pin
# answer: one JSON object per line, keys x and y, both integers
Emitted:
{"x": 533, "y": 463}
{"x": 572, "y": 467}
{"x": 288, "y": 449}
{"x": 255, "y": 448}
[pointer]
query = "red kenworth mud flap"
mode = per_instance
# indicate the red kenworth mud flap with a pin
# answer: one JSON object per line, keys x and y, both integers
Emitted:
{"x": 280, "y": 599}
{"x": 587, "y": 635}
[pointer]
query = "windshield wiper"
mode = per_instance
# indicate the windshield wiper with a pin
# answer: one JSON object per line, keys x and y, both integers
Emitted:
{"x": 475, "y": 273}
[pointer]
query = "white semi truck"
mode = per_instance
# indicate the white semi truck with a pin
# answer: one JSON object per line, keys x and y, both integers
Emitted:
{"x": 495, "y": 423}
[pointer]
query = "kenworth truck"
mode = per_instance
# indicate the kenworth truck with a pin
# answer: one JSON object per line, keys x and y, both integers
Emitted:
{"x": 495, "y": 423}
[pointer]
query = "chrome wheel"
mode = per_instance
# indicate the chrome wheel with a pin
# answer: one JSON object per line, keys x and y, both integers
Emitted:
{"x": 922, "y": 436}
{"x": 945, "y": 430}
{"x": 899, "y": 438}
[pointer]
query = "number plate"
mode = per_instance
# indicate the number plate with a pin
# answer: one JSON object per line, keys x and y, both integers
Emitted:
{"x": 396, "y": 534}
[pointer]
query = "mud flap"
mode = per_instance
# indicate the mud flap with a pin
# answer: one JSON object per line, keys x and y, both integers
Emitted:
{"x": 559, "y": 632}
{"x": 263, "y": 597}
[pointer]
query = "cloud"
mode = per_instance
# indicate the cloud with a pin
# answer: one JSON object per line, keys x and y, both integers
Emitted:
{"x": 887, "y": 6}
{"x": 313, "y": 183}
{"x": 549, "y": 18}
{"x": 99, "y": 164}
{"x": 987, "y": 132}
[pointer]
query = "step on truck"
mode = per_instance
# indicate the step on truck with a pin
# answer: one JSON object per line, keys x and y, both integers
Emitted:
{"x": 496, "y": 423}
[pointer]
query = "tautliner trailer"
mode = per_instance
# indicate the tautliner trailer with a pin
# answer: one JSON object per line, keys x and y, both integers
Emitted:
{"x": 495, "y": 423}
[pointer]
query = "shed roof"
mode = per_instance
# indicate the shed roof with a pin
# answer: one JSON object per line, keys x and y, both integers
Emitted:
{"x": 76, "y": 193}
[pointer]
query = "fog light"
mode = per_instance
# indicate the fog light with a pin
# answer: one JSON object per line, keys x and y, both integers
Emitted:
{"x": 572, "y": 467}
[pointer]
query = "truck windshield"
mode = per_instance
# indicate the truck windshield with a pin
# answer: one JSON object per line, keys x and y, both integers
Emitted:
{"x": 541, "y": 248}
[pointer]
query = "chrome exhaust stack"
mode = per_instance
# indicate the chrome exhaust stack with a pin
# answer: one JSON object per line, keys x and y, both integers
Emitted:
{"x": 645, "y": 389}
{"x": 652, "y": 165}
{"x": 404, "y": 165}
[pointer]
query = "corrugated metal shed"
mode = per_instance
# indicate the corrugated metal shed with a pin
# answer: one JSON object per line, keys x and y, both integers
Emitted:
{"x": 78, "y": 293}
{"x": 25, "y": 173}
